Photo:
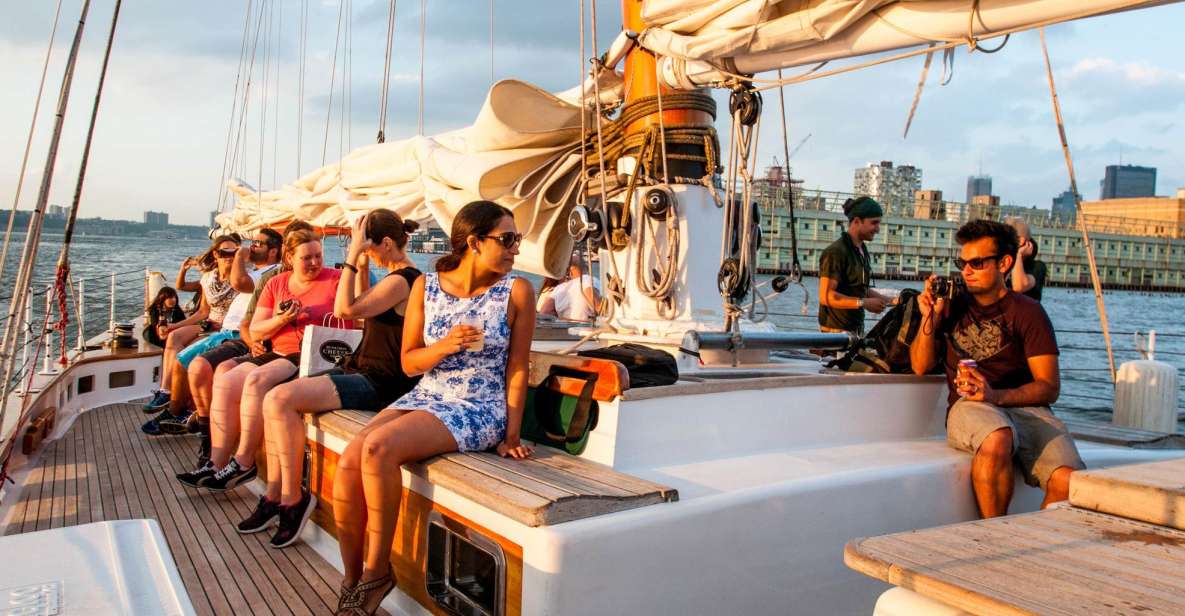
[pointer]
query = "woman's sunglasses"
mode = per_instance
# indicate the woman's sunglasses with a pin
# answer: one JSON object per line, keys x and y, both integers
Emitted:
{"x": 510, "y": 239}
{"x": 977, "y": 263}
{"x": 225, "y": 253}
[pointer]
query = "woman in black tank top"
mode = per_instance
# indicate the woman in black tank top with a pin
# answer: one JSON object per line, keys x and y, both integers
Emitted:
{"x": 370, "y": 379}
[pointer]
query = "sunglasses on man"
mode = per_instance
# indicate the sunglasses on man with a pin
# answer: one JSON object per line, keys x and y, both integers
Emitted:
{"x": 976, "y": 263}
{"x": 509, "y": 240}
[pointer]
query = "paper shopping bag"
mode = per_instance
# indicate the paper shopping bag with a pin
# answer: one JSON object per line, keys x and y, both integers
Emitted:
{"x": 324, "y": 347}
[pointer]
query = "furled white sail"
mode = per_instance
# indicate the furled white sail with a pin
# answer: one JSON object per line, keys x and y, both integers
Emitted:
{"x": 752, "y": 36}
{"x": 522, "y": 151}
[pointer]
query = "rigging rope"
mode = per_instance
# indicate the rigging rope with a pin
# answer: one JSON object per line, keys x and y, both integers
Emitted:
{"x": 1094, "y": 271}
{"x": 795, "y": 265}
{"x": 304, "y": 50}
{"x": 20, "y": 178}
{"x": 234, "y": 103}
{"x": 61, "y": 281}
{"x": 276, "y": 99}
{"x": 332, "y": 82}
{"x": 239, "y": 157}
{"x": 263, "y": 95}
{"x": 917, "y": 95}
{"x": 423, "y": 34}
{"x": 33, "y": 236}
{"x": 384, "y": 94}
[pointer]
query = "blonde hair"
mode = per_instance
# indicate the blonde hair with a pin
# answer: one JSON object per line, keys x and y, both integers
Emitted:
{"x": 294, "y": 239}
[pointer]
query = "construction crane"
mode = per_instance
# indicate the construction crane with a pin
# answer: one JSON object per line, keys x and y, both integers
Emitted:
{"x": 794, "y": 151}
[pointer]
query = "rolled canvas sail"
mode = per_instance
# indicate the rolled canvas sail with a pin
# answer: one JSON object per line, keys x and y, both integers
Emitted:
{"x": 521, "y": 151}
{"x": 751, "y": 36}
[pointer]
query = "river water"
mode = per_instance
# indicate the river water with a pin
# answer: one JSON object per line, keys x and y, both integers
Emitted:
{"x": 1086, "y": 388}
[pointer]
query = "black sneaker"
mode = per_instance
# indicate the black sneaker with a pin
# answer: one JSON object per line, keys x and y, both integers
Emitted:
{"x": 175, "y": 424}
{"x": 160, "y": 399}
{"x": 262, "y": 518}
{"x": 292, "y": 520}
{"x": 228, "y": 477}
{"x": 152, "y": 426}
{"x": 194, "y": 478}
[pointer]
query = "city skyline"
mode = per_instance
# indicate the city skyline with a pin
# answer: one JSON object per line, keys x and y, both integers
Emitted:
{"x": 160, "y": 141}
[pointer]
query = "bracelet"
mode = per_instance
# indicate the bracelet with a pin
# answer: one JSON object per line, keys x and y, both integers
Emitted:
{"x": 860, "y": 303}
{"x": 350, "y": 266}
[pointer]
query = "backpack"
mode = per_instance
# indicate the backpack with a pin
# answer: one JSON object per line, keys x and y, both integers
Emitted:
{"x": 647, "y": 367}
{"x": 885, "y": 349}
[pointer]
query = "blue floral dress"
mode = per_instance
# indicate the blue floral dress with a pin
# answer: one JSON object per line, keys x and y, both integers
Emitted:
{"x": 466, "y": 390}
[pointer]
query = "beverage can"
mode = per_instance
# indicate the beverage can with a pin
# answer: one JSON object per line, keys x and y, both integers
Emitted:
{"x": 968, "y": 364}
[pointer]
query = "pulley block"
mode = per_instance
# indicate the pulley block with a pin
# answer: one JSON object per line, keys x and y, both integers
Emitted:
{"x": 657, "y": 202}
{"x": 732, "y": 281}
{"x": 746, "y": 105}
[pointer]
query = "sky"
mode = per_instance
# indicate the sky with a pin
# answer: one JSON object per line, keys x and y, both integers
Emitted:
{"x": 163, "y": 124}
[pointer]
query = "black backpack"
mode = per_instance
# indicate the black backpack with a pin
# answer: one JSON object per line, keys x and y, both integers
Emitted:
{"x": 885, "y": 349}
{"x": 647, "y": 367}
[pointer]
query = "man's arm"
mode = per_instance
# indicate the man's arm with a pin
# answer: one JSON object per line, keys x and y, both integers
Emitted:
{"x": 830, "y": 297}
{"x": 239, "y": 278}
{"x": 923, "y": 353}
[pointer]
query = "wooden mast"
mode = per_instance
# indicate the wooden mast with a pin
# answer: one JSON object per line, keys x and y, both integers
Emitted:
{"x": 642, "y": 82}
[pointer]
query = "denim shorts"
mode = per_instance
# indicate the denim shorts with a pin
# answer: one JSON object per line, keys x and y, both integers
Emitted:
{"x": 229, "y": 349}
{"x": 355, "y": 391}
{"x": 205, "y": 344}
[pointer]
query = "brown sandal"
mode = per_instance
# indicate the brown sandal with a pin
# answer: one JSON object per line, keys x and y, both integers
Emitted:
{"x": 364, "y": 598}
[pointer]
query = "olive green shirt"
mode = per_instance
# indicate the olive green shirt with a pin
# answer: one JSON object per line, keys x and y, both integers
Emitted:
{"x": 851, "y": 269}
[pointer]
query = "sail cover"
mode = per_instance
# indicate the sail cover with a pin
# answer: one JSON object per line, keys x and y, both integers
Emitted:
{"x": 522, "y": 151}
{"x": 751, "y": 36}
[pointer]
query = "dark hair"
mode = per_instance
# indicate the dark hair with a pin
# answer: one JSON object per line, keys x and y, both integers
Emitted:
{"x": 476, "y": 218}
{"x": 297, "y": 225}
{"x": 274, "y": 239}
{"x": 161, "y": 296}
{"x": 207, "y": 261}
{"x": 1003, "y": 235}
{"x": 382, "y": 223}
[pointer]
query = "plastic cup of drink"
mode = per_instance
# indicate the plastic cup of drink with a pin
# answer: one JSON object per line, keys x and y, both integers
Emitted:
{"x": 965, "y": 365}
{"x": 476, "y": 323}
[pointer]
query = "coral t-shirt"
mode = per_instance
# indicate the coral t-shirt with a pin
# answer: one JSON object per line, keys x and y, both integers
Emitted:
{"x": 316, "y": 302}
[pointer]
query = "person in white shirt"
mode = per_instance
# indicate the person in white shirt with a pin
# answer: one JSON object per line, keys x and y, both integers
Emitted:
{"x": 576, "y": 299}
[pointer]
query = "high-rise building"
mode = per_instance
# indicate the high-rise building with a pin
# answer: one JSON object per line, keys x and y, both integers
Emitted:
{"x": 1064, "y": 207}
{"x": 978, "y": 185}
{"x": 893, "y": 187}
{"x": 57, "y": 212}
{"x": 1128, "y": 181}
{"x": 156, "y": 219}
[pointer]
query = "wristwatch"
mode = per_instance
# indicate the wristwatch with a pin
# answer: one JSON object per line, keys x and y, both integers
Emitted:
{"x": 860, "y": 303}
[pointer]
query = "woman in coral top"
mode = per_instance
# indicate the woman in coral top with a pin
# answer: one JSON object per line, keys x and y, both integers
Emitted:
{"x": 289, "y": 302}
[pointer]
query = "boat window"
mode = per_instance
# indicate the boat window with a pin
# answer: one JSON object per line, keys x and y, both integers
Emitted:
{"x": 123, "y": 378}
{"x": 466, "y": 571}
{"x": 86, "y": 384}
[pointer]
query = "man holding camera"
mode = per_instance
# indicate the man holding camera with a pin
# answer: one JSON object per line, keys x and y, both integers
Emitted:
{"x": 845, "y": 271}
{"x": 1001, "y": 360}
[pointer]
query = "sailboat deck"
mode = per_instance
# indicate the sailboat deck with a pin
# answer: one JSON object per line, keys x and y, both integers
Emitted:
{"x": 104, "y": 468}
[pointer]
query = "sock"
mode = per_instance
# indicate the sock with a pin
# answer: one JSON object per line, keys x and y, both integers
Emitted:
{"x": 163, "y": 390}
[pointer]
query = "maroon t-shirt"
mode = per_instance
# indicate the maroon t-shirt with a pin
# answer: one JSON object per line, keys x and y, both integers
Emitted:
{"x": 1000, "y": 338}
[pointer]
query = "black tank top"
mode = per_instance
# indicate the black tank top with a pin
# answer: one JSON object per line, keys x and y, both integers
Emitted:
{"x": 378, "y": 355}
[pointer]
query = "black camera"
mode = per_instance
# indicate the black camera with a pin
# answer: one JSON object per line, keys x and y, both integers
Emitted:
{"x": 288, "y": 304}
{"x": 947, "y": 287}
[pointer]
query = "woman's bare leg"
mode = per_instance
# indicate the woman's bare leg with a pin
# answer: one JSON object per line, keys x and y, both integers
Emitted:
{"x": 224, "y": 411}
{"x": 349, "y": 503}
{"x": 414, "y": 436}
{"x": 178, "y": 339}
{"x": 283, "y": 408}
{"x": 201, "y": 384}
{"x": 255, "y": 387}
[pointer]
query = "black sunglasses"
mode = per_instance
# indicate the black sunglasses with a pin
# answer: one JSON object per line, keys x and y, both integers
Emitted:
{"x": 510, "y": 239}
{"x": 226, "y": 253}
{"x": 977, "y": 263}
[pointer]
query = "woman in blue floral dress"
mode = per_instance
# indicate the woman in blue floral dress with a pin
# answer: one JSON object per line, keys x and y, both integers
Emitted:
{"x": 468, "y": 331}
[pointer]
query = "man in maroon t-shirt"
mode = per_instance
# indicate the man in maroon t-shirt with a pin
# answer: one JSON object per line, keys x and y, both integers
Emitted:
{"x": 999, "y": 408}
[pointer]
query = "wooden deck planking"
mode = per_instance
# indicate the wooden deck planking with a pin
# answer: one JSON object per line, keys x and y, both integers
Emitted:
{"x": 1110, "y": 434}
{"x": 105, "y": 469}
{"x": 1060, "y": 561}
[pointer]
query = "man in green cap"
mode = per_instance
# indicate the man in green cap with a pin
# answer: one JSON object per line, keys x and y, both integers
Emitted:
{"x": 845, "y": 271}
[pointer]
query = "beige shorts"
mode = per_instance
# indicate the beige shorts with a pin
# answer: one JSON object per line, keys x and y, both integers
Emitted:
{"x": 1040, "y": 442}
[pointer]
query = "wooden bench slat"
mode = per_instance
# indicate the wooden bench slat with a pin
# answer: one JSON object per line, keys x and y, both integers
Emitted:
{"x": 1063, "y": 560}
{"x": 570, "y": 482}
{"x": 550, "y": 488}
{"x": 1153, "y": 492}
